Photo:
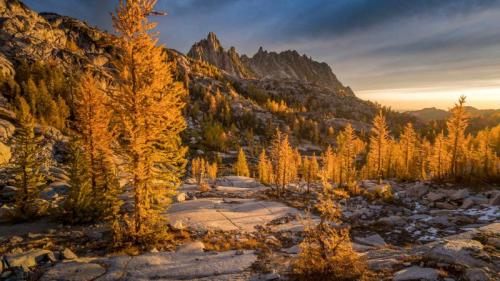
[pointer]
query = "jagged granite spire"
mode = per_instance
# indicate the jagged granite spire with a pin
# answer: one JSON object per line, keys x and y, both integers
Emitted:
{"x": 211, "y": 51}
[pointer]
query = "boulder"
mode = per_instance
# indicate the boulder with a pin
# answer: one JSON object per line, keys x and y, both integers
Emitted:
{"x": 5, "y": 154}
{"x": 191, "y": 247}
{"x": 30, "y": 258}
{"x": 181, "y": 197}
{"x": 74, "y": 271}
{"x": 417, "y": 191}
{"x": 459, "y": 194}
{"x": 476, "y": 274}
{"x": 445, "y": 205}
{"x": 435, "y": 196}
{"x": 6, "y": 128}
{"x": 38, "y": 207}
{"x": 67, "y": 254}
{"x": 380, "y": 189}
{"x": 460, "y": 251}
{"x": 416, "y": 273}
{"x": 372, "y": 240}
{"x": 7, "y": 213}
{"x": 495, "y": 200}
{"x": 468, "y": 203}
{"x": 292, "y": 250}
{"x": 392, "y": 221}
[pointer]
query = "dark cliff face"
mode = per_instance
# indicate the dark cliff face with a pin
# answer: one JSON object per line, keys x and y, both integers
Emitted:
{"x": 291, "y": 65}
{"x": 211, "y": 51}
{"x": 265, "y": 65}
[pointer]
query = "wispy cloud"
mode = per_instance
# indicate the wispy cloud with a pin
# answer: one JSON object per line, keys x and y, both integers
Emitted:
{"x": 371, "y": 45}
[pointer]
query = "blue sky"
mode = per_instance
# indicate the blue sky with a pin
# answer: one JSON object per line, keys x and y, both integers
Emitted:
{"x": 404, "y": 53}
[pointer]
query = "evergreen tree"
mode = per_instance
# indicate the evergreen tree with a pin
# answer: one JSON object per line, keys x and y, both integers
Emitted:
{"x": 349, "y": 146}
{"x": 93, "y": 121}
{"x": 27, "y": 161}
{"x": 80, "y": 204}
{"x": 241, "y": 166}
{"x": 283, "y": 160}
{"x": 212, "y": 171}
{"x": 265, "y": 169}
{"x": 378, "y": 146}
{"x": 439, "y": 161}
{"x": 148, "y": 104}
{"x": 407, "y": 142}
{"x": 456, "y": 135}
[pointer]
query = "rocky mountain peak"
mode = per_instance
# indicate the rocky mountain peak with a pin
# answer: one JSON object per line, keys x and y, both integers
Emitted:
{"x": 210, "y": 50}
{"x": 292, "y": 65}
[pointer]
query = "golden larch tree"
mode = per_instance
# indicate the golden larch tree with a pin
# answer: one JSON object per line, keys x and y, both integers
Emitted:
{"x": 407, "y": 143}
{"x": 378, "y": 146}
{"x": 148, "y": 103}
{"x": 349, "y": 146}
{"x": 457, "y": 124}
{"x": 27, "y": 161}
{"x": 265, "y": 169}
{"x": 241, "y": 165}
{"x": 93, "y": 120}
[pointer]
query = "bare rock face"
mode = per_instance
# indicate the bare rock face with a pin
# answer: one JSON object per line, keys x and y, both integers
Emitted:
{"x": 291, "y": 65}
{"x": 211, "y": 51}
{"x": 24, "y": 33}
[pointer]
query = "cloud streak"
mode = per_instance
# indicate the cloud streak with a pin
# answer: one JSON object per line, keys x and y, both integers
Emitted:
{"x": 373, "y": 46}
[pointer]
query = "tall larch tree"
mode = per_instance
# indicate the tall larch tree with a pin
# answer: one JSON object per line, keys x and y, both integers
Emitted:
{"x": 27, "y": 161}
{"x": 407, "y": 143}
{"x": 349, "y": 146}
{"x": 457, "y": 124}
{"x": 439, "y": 162}
{"x": 265, "y": 169}
{"x": 93, "y": 121}
{"x": 283, "y": 160}
{"x": 148, "y": 103}
{"x": 241, "y": 165}
{"x": 378, "y": 145}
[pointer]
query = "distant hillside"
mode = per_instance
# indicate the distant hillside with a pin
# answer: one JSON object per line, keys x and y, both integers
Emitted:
{"x": 435, "y": 114}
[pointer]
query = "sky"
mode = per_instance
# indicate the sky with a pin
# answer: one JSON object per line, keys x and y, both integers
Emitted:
{"x": 408, "y": 54}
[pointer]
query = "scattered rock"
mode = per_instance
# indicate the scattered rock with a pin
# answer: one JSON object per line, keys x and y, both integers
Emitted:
{"x": 67, "y": 254}
{"x": 372, "y": 240}
{"x": 292, "y": 250}
{"x": 73, "y": 271}
{"x": 16, "y": 239}
{"x": 181, "y": 197}
{"x": 435, "y": 196}
{"x": 191, "y": 247}
{"x": 416, "y": 273}
{"x": 476, "y": 274}
{"x": 495, "y": 201}
{"x": 6, "y": 213}
{"x": 30, "y": 258}
{"x": 445, "y": 205}
{"x": 392, "y": 221}
{"x": 460, "y": 251}
{"x": 459, "y": 194}
{"x": 5, "y": 153}
{"x": 468, "y": 203}
{"x": 417, "y": 191}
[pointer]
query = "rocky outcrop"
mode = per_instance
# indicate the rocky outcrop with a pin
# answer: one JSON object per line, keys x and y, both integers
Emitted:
{"x": 291, "y": 65}
{"x": 210, "y": 50}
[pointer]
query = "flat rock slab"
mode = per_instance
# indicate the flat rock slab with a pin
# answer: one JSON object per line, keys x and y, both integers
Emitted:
{"x": 236, "y": 214}
{"x": 416, "y": 273}
{"x": 238, "y": 181}
{"x": 230, "y": 265}
{"x": 74, "y": 271}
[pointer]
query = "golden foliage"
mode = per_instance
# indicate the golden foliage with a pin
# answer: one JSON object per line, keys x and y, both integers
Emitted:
{"x": 241, "y": 166}
{"x": 149, "y": 105}
{"x": 27, "y": 162}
